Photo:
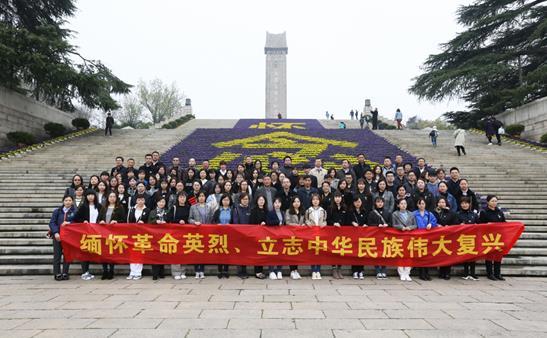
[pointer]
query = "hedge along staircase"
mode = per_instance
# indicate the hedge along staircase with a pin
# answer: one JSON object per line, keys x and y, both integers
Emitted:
{"x": 515, "y": 174}
{"x": 33, "y": 185}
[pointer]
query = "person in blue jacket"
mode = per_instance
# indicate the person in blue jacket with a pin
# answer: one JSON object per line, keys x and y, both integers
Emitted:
{"x": 425, "y": 220}
{"x": 60, "y": 217}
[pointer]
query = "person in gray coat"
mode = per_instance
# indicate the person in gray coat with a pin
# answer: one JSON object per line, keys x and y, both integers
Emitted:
{"x": 200, "y": 213}
{"x": 403, "y": 220}
{"x": 381, "y": 191}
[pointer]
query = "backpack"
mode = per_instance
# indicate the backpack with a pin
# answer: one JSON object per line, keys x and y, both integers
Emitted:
{"x": 433, "y": 133}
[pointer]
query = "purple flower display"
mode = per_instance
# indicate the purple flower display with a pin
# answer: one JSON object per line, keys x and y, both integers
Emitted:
{"x": 272, "y": 143}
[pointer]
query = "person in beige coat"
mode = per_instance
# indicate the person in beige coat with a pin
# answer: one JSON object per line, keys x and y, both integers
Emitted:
{"x": 315, "y": 216}
{"x": 459, "y": 142}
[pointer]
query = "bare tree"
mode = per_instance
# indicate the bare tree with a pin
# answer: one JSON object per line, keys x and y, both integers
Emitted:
{"x": 161, "y": 100}
{"x": 132, "y": 112}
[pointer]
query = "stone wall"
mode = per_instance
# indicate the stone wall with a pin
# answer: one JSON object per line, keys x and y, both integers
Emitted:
{"x": 532, "y": 115}
{"x": 21, "y": 113}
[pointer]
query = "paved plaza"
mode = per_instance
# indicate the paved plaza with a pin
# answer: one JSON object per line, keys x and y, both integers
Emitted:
{"x": 40, "y": 307}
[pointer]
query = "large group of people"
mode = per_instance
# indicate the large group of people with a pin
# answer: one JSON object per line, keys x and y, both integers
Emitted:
{"x": 394, "y": 194}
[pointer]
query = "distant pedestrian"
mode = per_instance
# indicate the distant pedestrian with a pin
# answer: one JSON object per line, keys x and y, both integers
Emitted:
{"x": 279, "y": 116}
{"x": 109, "y": 124}
{"x": 351, "y": 113}
{"x": 327, "y": 114}
{"x": 433, "y": 134}
{"x": 375, "y": 119}
{"x": 491, "y": 128}
{"x": 332, "y": 116}
{"x": 459, "y": 141}
{"x": 399, "y": 118}
{"x": 362, "y": 121}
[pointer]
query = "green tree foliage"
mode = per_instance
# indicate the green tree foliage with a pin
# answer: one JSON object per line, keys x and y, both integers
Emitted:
{"x": 498, "y": 62}
{"x": 37, "y": 59}
{"x": 161, "y": 100}
{"x": 417, "y": 123}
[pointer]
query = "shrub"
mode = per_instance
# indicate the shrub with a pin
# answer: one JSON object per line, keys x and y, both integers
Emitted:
{"x": 80, "y": 123}
{"x": 543, "y": 138}
{"x": 21, "y": 137}
{"x": 54, "y": 129}
{"x": 178, "y": 122}
{"x": 514, "y": 129}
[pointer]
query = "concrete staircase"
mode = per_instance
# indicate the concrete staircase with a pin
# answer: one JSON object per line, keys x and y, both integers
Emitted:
{"x": 33, "y": 185}
{"x": 515, "y": 174}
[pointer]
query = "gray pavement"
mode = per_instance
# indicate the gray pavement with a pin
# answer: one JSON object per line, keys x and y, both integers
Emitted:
{"x": 37, "y": 306}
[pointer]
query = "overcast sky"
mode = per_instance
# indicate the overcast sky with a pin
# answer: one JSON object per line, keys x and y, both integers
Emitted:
{"x": 340, "y": 52}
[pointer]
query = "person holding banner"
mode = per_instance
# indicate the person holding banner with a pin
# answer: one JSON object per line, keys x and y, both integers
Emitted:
{"x": 358, "y": 217}
{"x": 158, "y": 216}
{"x": 179, "y": 213}
{"x": 337, "y": 216}
{"x": 380, "y": 217}
{"x": 445, "y": 217}
{"x": 403, "y": 220}
{"x": 89, "y": 212}
{"x": 467, "y": 216}
{"x": 138, "y": 214}
{"x": 275, "y": 217}
{"x": 424, "y": 220}
{"x": 315, "y": 216}
{"x": 492, "y": 214}
{"x": 295, "y": 216}
{"x": 200, "y": 213}
{"x": 111, "y": 214}
{"x": 222, "y": 216}
{"x": 241, "y": 215}
{"x": 258, "y": 216}
{"x": 60, "y": 217}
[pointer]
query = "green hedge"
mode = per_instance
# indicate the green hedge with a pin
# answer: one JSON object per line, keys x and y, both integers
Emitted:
{"x": 514, "y": 129}
{"x": 178, "y": 122}
{"x": 21, "y": 137}
{"x": 55, "y": 129}
{"x": 80, "y": 123}
{"x": 543, "y": 138}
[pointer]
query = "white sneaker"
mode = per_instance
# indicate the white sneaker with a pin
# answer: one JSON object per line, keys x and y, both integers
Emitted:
{"x": 314, "y": 275}
{"x": 201, "y": 275}
{"x": 361, "y": 275}
{"x": 279, "y": 275}
{"x": 490, "y": 143}
{"x": 177, "y": 277}
{"x": 379, "y": 275}
{"x": 183, "y": 276}
{"x": 403, "y": 278}
{"x": 297, "y": 275}
{"x": 197, "y": 275}
{"x": 408, "y": 279}
{"x": 319, "y": 275}
{"x": 355, "y": 275}
{"x": 273, "y": 275}
{"x": 129, "y": 277}
{"x": 137, "y": 277}
{"x": 292, "y": 275}
{"x": 84, "y": 275}
{"x": 384, "y": 275}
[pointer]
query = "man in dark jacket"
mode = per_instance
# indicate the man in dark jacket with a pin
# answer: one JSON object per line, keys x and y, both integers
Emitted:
{"x": 109, "y": 124}
{"x": 360, "y": 167}
{"x": 375, "y": 119}
{"x": 306, "y": 191}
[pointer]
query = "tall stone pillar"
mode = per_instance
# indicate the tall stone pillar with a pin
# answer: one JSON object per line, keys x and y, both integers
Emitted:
{"x": 276, "y": 75}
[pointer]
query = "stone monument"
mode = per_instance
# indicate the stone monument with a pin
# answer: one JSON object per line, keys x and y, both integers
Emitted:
{"x": 276, "y": 75}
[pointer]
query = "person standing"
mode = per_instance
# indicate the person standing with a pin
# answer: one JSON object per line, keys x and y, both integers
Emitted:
{"x": 327, "y": 115}
{"x": 491, "y": 128}
{"x": 403, "y": 220}
{"x": 459, "y": 142}
{"x": 399, "y": 118}
{"x": 109, "y": 124}
{"x": 492, "y": 214}
{"x": 433, "y": 134}
{"x": 374, "y": 119}
{"x": 60, "y": 217}
{"x": 362, "y": 121}
{"x": 315, "y": 216}
{"x": 351, "y": 113}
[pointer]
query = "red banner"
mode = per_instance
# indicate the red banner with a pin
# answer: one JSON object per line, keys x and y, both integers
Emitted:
{"x": 286, "y": 245}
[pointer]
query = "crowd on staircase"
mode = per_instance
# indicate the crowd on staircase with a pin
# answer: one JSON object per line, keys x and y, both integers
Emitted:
{"x": 396, "y": 194}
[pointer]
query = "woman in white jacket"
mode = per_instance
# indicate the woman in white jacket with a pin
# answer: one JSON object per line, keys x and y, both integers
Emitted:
{"x": 459, "y": 141}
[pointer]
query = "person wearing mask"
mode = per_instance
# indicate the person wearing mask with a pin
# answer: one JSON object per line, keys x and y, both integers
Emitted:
{"x": 200, "y": 213}
{"x": 492, "y": 214}
{"x": 241, "y": 215}
{"x": 138, "y": 214}
{"x": 179, "y": 213}
{"x": 223, "y": 216}
{"x": 445, "y": 217}
{"x": 380, "y": 217}
{"x": 315, "y": 216}
{"x": 425, "y": 220}
{"x": 403, "y": 220}
{"x": 295, "y": 216}
{"x": 275, "y": 217}
{"x": 468, "y": 217}
{"x": 357, "y": 216}
{"x": 112, "y": 213}
{"x": 61, "y": 216}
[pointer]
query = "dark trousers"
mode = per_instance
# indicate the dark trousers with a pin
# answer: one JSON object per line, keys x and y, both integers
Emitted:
{"x": 199, "y": 267}
{"x": 85, "y": 267}
{"x": 424, "y": 272}
{"x": 242, "y": 270}
{"x": 498, "y": 138}
{"x": 108, "y": 129}
{"x": 158, "y": 270}
{"x": 223, "y": 268}
{"x": 57, "y": 258}
{"x": 460, "y": 149}
{"x": 108, "y": 268}
{"x": 259, "y": 269}
{"x": 357, "y": 268}
{"x": 293, "y": 267}
{"x": 493, "y": 272}
{"x": 469, "y": 269}
{"x": 444, "y": 271}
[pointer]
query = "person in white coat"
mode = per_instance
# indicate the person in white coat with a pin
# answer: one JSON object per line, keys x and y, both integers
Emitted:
{"x": 459, "y": 142}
